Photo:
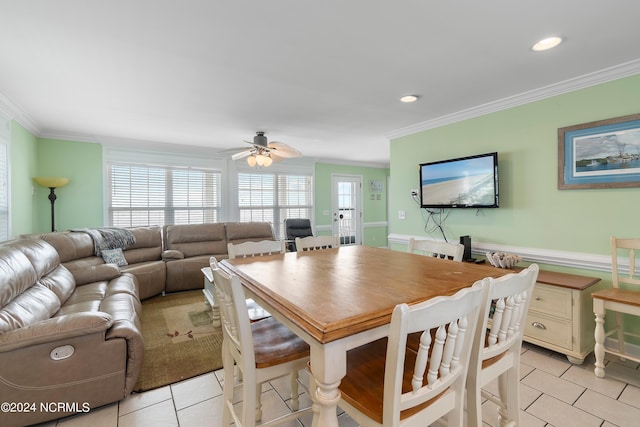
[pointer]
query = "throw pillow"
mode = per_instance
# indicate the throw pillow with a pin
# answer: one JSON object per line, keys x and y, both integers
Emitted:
{"x": 114, "y": 256}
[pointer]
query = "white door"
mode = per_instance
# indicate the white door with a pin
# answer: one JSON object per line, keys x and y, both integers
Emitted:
{"x": 347, "y": 208}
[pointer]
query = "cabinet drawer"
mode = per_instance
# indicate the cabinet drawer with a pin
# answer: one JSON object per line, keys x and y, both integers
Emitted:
{"x": 549, "y": 329}
{"x": 551, "y": 300}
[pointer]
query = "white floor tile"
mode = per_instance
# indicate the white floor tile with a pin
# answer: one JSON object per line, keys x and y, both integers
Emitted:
{"x": 545, "y": 363}
{"x": 556, "y": 387}
{"x": 561, "y": 414}
{"x": 631, "y": 396}
{"x": 612, "y": 410}
{"x": 586, "y": 378}
{"x": 161, "y": 414}
{"x": 195, "y": 390}
{"x": 105, "y": 416}
{"x": 137, "y": 401}
{"x": 203, "y": 414}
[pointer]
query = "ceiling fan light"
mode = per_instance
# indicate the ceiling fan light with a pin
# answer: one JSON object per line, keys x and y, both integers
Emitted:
{"x": 251, "y": 160}
{"x": 260, "y": 159}
{"x": 267, "y": 161}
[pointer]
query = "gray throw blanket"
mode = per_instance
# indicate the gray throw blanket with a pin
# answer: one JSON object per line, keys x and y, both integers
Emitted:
{"x": 108, "y": 238}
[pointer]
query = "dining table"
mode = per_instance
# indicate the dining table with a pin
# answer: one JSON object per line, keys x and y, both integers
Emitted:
{"x": 338, "y": 299}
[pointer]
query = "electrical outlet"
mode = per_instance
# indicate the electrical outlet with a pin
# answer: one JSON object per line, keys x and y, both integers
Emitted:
{"x": 402, "y": 215}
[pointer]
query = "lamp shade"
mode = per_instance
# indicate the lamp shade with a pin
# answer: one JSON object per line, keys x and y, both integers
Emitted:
{"x": 51, "y": 181}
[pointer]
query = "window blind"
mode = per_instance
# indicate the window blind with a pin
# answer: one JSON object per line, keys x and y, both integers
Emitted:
{"x": 142, "y": 195}
{"x": 274, "y": 197}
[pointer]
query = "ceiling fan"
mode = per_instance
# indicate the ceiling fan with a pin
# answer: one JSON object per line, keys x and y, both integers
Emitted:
{"x": 263, "y": 153}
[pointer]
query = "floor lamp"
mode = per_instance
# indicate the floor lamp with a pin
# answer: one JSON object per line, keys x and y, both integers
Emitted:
{"x": 52, "y": 183}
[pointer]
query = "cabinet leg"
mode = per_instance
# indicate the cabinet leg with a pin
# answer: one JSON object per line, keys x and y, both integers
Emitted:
{"x": 575, "y": 360}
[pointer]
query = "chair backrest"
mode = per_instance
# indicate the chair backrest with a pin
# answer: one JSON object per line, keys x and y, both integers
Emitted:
{"x": 297, "y": 227}
{"x": 313, "y": 243}
{"x": 436, "y": 248}
{"x": 251, "y": 249}
{"x": 448, "y": 325}
{"x": 505, "y": 308}
{"x": 234, "y": 317}
{"x": 622, "y": 249}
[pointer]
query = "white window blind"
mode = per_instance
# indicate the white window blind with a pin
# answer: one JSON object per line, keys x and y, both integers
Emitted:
{"x": 4, "y": 178}
{"x": 274, "y": 197}
{"x": 160, "y": 195}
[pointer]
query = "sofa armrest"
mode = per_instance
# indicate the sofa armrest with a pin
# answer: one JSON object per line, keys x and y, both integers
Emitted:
{"x": 55, "y": 329}
{"x": 95, "y": 273}
{"x": 171, "y": 254}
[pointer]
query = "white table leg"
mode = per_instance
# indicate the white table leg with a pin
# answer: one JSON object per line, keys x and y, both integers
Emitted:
{"x": 598, "y": 309}
{"x": 328, "y": 366}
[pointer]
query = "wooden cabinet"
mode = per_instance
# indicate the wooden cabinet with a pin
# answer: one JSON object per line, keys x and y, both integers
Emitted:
{"x": 560, "y": 315}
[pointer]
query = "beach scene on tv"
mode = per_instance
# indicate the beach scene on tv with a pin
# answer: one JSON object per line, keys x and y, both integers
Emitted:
{"x": 463, "y": 182}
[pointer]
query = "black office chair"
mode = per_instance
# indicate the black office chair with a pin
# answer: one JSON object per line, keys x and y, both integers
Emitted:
{"x": 296, "y": 227}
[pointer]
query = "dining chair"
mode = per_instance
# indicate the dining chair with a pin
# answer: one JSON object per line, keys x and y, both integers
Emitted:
{"x": 389, "y": 384}
{"x": 313, "y": 243}
{"x": 497, "y": 345}
{"x": 253, "y": 249}
{"x": 446, "y": 250}
{"x": 623, "y": 299}
{"x": 262, "y": 351}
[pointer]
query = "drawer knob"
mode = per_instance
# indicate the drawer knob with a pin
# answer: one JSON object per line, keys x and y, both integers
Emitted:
{"x": 539, "y": 325}
{"x": 538, "y": 298}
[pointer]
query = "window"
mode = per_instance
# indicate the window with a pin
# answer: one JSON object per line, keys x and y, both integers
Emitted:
{"x": 274, "y": 198}
{"x": 4, "y": 178}
{"x": 142, "y": 195}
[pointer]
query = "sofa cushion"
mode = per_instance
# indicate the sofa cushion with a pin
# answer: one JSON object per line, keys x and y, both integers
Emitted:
{"x": 148, "y": 245}
{"x": 239, "y": 232}
{"x": 114, "y": 256}
{"x": 196, "y": 239}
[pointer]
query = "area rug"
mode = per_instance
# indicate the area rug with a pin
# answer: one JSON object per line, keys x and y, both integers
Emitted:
{"x": 180, "y": 341}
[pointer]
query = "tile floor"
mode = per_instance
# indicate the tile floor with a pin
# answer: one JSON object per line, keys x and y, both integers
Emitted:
{"x": 554, "y": 393}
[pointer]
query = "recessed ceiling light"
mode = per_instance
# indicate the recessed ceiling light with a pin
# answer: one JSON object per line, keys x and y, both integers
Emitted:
{"x": 546, "y": 44}
{"x": 409, "y": 98}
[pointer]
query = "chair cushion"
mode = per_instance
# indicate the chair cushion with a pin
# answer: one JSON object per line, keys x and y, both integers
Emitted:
{"x": 274, "y": 343}
{"x": 363, "y": 386}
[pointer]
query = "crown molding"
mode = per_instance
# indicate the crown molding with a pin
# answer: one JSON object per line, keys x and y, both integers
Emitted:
{"x": 12, "y": 111}
{"x": 626, "y": 69}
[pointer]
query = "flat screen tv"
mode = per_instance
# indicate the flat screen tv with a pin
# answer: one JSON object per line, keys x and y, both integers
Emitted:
{"x": 465, "y": 182}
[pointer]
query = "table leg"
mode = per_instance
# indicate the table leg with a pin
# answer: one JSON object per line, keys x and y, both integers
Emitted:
{"x": 598, "y": 308}
{"x": 328, "y": 366}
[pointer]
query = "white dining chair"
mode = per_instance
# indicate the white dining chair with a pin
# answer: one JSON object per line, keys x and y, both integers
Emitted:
{"x": 312, "y": 243}
{"x": 253, "y": 249}
{"x": 388, "y": 384}
{"x": 623, "y": 299}
{"x": 262, "y": 351}
{"x": 497, "y": 345}
{"x": 446, "y": 250}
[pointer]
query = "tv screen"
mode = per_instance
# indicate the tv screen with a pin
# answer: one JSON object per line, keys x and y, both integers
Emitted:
{"x": 465, "y": 182}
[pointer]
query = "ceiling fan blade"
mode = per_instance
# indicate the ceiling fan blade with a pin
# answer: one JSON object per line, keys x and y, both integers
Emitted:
{"x": 241, "y": 155}
{"x": 283, "y": 150}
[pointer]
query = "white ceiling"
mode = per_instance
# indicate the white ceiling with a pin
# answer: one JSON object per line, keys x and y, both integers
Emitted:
{"x": 322, "y": 76}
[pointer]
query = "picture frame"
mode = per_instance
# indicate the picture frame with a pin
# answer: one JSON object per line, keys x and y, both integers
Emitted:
{"x": 600, "y": 154}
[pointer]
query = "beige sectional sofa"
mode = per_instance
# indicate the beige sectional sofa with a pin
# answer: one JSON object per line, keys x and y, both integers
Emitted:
{"x": 69, "y": 322}
{"x": 189, "y": 247}
{"x": 67, "y": 336}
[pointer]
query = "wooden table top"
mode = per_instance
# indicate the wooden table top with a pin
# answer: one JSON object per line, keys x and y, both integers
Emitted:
{"x": 334, "y": 293}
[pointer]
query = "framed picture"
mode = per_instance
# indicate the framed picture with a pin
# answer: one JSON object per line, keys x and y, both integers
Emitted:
{"x": 601, "y": 154}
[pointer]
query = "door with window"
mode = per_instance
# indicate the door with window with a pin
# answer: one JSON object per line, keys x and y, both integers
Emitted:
{"x": 347, "y": 208}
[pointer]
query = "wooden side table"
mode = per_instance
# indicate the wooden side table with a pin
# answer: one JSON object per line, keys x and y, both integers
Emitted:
{"x": 560, "y": 316}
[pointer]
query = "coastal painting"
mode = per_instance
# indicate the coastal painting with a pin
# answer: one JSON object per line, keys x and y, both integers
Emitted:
{"x": 602, "y": 154}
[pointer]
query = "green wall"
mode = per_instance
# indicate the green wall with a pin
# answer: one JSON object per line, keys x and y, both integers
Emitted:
{"x": 533, "y": 213}
{"x": 375, "y": 211}
{"x": 23, "y": 168}
{"x": 79, "y": 203}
